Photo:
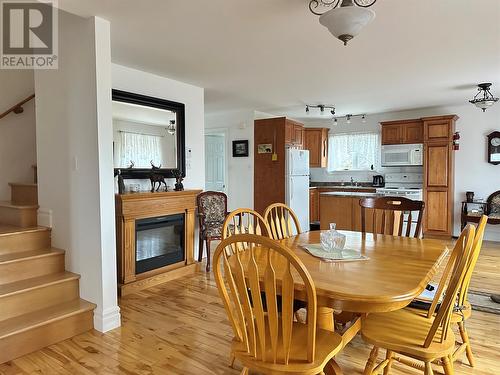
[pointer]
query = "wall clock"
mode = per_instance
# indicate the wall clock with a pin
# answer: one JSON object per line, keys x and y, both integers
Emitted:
{"x": 494, "y": 148}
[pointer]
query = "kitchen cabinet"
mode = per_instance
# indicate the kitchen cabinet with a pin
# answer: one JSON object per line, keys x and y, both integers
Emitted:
{"x": 316, "y": 141}
{"x": 338, "y": 210}
{"x": 438, "y": 175}
{"x": 313, "y": 205}
{"x": 402, "y": 132}
{"x": 294, "y": 133}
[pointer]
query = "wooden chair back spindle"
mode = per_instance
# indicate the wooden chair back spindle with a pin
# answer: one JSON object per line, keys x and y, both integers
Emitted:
{"x": 388, "y": 215}
{"x": 243, "y": 277}
{"x": 282, "y": 221}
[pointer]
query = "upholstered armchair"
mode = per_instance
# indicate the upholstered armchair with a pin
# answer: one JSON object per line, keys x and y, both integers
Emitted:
{"x": 212, "y": 210}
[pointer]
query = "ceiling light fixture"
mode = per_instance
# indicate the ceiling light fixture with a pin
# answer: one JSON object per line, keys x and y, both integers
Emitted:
{"x": 349, "y": 118}
{"x": 171, "y": 127}
{"x": 343, "y": 18}
{"x": 321, "y": 107}
{"x": 484, "y": 99}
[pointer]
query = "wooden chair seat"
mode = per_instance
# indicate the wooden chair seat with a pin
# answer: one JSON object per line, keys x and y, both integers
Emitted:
{"x": 404, "y": 331}
{"x": 328, "y": 344}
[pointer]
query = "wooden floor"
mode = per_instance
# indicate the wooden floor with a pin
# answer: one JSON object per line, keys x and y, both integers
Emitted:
{"x": 181, "y": 328}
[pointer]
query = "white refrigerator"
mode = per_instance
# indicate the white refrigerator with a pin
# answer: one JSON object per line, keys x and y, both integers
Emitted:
{"x": 297, "y": 184}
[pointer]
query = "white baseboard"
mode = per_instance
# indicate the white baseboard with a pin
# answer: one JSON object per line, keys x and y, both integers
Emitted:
{"x": 45, "y": 217}
{"x": 107, "y": 320}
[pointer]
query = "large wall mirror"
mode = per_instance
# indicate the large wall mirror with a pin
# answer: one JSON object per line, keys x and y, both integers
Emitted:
{"x": 147, "y": 133}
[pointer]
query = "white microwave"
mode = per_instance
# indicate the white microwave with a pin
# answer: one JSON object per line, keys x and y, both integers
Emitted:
{"x": 402, "y": 155}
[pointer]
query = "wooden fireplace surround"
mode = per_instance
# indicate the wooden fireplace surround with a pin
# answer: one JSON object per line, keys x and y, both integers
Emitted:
{"x": 132, "y": 207}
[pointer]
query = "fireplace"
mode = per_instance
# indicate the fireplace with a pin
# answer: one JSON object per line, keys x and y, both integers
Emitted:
{"x": 159, "y": 242}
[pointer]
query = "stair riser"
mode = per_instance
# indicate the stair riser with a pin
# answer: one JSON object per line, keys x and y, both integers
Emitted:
{"x": 24, "y": 242}
{"x": 23, "y": 218}
{"x": 37, "y": 299}
{"x": 24, "y": 195}
{"x": 31, "y": 267}
{"x": 37, "y": 338}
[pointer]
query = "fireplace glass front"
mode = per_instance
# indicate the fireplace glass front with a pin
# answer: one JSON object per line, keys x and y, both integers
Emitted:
{"x": 159, "y": 242}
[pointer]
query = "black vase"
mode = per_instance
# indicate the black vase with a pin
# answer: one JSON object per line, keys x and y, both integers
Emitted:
{"x": 179, "y": 186}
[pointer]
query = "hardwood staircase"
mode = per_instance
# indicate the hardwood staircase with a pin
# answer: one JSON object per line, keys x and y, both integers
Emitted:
{"x": 39, "y": 301}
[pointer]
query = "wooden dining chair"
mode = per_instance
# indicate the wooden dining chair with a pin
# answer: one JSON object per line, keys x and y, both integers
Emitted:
{"x": 266, "y": 340}
{"x": 463, "y": 310}
{"x": 388, "y": 215}
{"x": 280, "y": 217}
{"x": 416, "y": 339}
{"x": 244, "y": 221}
{"x": 212, "y": 211}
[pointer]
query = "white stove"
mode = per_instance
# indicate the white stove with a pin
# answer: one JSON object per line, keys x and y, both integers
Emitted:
{"x": 408, "y": 185}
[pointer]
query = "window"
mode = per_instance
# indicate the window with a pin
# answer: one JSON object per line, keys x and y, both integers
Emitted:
{"x": 353, "y": 151}
{"x": 141, "y": 149}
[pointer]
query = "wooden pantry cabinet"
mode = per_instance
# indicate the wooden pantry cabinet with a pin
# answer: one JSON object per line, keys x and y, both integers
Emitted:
{"x": 402, "y": 132}
{"x": 269, "y": 168}
{"x": 316, "y": 141}
{"x": 439, "y": 175}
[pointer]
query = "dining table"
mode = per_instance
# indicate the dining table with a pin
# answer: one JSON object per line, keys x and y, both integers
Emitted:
{"x": 392, "y": 272}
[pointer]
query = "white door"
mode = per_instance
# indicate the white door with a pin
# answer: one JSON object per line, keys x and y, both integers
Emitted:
{"x": 215, "y": 162}
{"x": 297, "y": 198}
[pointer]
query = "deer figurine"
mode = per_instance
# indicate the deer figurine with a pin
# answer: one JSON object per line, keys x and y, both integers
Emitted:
{"x": 156, "y": 177}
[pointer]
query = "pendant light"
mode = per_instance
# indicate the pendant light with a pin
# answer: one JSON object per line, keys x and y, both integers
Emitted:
{"x": 346, "y": 20}
{"x": 484, "y": 99}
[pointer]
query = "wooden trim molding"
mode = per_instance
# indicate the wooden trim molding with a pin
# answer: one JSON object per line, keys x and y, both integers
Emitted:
{"x": 132, "y": 207}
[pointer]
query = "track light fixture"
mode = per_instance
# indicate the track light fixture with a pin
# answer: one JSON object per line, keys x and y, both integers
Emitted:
{"x": 349, "y": 118}
{"x": 321, "y": 107}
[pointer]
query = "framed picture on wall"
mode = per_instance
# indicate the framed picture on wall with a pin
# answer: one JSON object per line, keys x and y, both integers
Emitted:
{"x": 240, "y": 148}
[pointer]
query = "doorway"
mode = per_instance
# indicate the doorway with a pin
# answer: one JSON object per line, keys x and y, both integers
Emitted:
{"x": 215, "y": 161}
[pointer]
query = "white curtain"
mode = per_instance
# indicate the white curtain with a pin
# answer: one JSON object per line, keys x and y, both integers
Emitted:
{"x": 353, "y": 151}
{"x": 140, "y": 149}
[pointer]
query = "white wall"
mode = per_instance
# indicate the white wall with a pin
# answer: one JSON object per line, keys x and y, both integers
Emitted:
{"x": 472, "y": 172}
{"x": 75, "y": 162}
{"x": 139, "y": 82}
{"x": 17, "y": 131}
{"x": 239, "y": 126}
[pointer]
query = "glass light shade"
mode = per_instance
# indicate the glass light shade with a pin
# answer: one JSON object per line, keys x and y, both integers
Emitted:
{"x": 484, "y": 104}
{"x": 346, "y": 22}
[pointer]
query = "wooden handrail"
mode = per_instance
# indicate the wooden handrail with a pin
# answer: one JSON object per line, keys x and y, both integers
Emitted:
{"x": 18, "y": 108}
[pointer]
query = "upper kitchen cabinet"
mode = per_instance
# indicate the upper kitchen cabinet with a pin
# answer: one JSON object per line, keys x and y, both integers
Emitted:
{"x": 294, "y": 133}
{"x": 316, "y": 141}
{"x": 402, "y": 132}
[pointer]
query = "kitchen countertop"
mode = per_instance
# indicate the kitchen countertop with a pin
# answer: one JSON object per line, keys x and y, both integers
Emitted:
{"x": 351, "y": 194}
{"x": 338, "y": 185}
{"x": 347, "y": 187}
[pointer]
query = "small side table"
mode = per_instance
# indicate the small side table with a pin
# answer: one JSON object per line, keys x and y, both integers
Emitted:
{"x": 468, "y": 216}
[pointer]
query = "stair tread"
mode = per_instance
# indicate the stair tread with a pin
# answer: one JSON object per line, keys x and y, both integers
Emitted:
{"x": 8, "y": 204}
{"x": 27, "y": 184}
{"x": 22, "y": 255}
{"x": 6, "y": 229}
{"x": 36, "y": 282}
{"x": 39, "y": 318}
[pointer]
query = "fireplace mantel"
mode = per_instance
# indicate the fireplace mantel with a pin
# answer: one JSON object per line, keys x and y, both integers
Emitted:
{"x": 136, "y": 206}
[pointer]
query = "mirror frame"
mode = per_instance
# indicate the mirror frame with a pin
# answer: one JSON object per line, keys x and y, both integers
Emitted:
{"x": 149, "y": 101}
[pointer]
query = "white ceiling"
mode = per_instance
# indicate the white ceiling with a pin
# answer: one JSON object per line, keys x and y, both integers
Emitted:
{"x": 142, "y": 114}
{"x": 274, "y": 56}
